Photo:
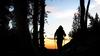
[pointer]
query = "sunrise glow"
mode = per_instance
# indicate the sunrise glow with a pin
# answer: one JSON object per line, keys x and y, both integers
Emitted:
{"x": 50, "y": 43}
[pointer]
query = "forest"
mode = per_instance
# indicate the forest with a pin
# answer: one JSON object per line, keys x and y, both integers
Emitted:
{"x": 16, "y": 16}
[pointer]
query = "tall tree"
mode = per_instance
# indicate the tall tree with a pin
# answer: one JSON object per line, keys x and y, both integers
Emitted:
{"x": 86, "y": 15}
{"x": 3, "y": 12}
{"x": 35, "y": 22}
{"x": 4, "y": 23}
{"x": 94, "y": 22}
{"x": 82, "y": 15}
{"x": 96, "y": 17}
{"x": 42, "y": 17}
{"x": 24, "y": 38}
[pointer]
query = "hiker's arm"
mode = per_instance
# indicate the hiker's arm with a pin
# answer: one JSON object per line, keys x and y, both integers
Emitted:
{"x": 55, "y": 35}
{"x": 64, "y": 34}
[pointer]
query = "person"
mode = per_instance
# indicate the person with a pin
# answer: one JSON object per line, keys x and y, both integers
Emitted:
{"x": 59, "y": 35}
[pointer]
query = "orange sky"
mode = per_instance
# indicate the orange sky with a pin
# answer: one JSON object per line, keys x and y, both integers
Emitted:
{"x": 50, "y": 43}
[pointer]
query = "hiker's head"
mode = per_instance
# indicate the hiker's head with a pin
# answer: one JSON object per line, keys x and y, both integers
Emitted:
{"x": 60, "y": 27}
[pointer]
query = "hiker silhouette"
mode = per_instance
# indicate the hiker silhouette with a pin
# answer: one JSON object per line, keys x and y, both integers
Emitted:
{"x": 59, "y": 35}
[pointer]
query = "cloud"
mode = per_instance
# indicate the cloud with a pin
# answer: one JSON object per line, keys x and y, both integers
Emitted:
{"x": 59, "y": 14}
{"x": 63, "y": 14}
{"x": 97, "y": 1}
{"x": 50, "y": 8}
{"x": 95, "y": 8}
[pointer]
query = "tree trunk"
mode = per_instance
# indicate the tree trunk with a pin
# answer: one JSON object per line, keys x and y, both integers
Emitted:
{"x": 4, "y": 25}
{"x": 24, "y": 38}
{"x": 35, "y": 23}
{"x": 82, "y": 15}
{"x": 42, "y": 16}
{"x": 3, "y": 12}
{"x": 87, "y": 13}
{"x": 82, "y": 38}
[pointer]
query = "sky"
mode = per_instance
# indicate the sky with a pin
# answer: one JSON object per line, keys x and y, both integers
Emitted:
{"x": 62, "y": 12}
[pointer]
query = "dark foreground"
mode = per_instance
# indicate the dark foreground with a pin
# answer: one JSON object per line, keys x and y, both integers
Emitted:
{"x": 79, "y": 51}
